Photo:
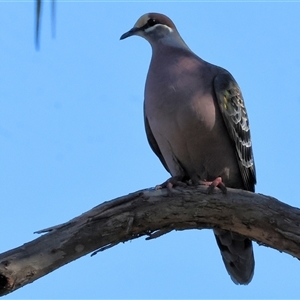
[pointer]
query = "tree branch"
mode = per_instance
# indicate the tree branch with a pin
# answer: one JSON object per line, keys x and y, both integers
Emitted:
{"x": 152, "y": 213}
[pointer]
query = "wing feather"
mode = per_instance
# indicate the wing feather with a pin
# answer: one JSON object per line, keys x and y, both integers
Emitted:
{"x": 152, "y": 142}
{"x": 235, "y": 116}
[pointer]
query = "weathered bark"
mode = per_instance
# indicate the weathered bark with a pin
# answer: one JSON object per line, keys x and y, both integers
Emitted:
{"x": 149, "y": 212}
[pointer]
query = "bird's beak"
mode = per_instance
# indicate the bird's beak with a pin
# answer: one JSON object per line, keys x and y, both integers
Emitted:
{"x": 132, "y": 31}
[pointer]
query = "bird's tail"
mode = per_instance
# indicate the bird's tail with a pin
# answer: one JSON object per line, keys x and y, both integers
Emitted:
{"x": 237, "y": 254}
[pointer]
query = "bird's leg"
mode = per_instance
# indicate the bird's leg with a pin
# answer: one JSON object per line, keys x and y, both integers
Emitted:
{"x": 215, "y": 183}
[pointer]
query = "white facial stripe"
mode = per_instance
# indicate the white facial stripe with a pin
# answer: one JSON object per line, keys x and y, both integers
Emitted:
{"x": 153, "y": 27}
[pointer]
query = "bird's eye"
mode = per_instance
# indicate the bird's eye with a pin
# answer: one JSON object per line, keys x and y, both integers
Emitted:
{"x": 151, "y": 22}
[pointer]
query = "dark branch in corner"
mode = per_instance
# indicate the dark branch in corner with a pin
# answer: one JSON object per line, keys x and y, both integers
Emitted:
{"x": 38, "y": 12}
{"x": 37, "y": 23}
{"x": 151, "y": 213}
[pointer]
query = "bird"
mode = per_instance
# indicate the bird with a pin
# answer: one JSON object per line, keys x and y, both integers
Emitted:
{"x": 197, "y": 124}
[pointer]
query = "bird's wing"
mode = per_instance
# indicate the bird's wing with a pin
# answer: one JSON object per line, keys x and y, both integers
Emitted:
{"x": 152, "y": 142}
{"x": 234, "y": 113}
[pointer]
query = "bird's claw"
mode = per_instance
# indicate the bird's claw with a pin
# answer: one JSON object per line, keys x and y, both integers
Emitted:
{"x": 172, "y": 182}
{"x": 179, "y": 181}
{"x": 215, "y": 183}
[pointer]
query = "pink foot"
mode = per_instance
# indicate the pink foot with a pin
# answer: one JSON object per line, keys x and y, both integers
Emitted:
{"x": 215, "y": 183}
{"x": 171, "y": 182}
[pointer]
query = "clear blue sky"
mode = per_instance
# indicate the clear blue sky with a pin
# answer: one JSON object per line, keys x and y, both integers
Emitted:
{"x": 72, "y": 136}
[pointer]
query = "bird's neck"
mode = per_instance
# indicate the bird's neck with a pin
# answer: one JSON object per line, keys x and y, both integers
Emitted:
{"x": 170, "y": 41}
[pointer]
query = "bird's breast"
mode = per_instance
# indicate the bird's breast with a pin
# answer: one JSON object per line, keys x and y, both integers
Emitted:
{"x": 186, "y": 122}
{"x": 178, "y": 94}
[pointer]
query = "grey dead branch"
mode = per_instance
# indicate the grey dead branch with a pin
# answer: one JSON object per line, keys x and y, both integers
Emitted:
{"x": 151, "y": 213}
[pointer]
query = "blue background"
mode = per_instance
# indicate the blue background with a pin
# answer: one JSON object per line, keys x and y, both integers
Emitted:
{"x": 72, "y": 136}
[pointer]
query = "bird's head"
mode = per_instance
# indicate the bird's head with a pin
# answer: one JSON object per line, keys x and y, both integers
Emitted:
{"x": 156, "y": 28}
